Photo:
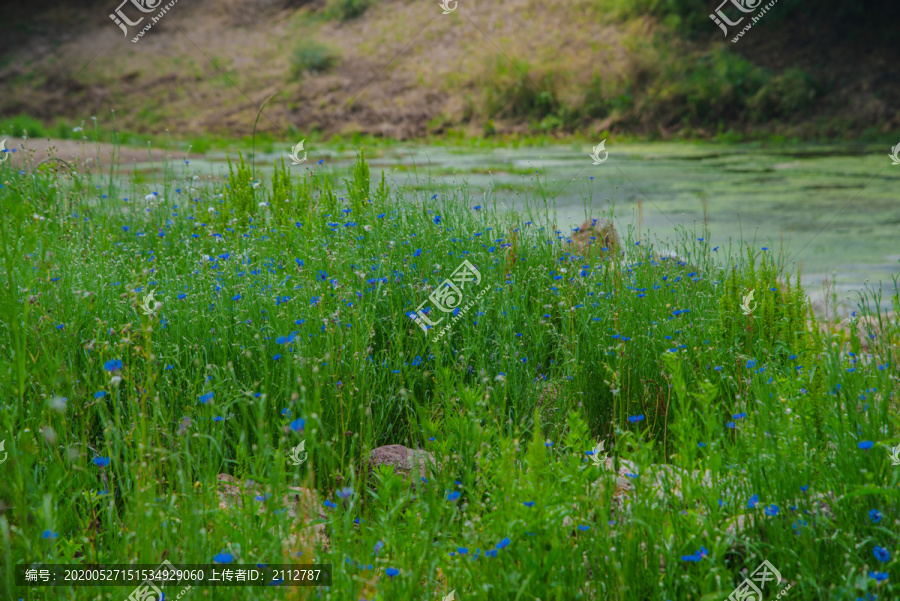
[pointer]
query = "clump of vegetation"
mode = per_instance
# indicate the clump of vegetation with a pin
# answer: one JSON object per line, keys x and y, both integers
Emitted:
{"x": 240, "y": 190}
{"x": 346, "y": 9}
{"x": 311, "y": 56}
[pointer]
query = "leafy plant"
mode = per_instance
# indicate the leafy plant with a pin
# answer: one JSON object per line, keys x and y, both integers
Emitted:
{"x": 311, "y": 56}
{"x": 346, "y": 9}
{"x": 240, "y": 193}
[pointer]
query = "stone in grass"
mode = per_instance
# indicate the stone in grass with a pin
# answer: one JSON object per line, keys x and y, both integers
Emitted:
{"x": 403, "y": 460}
{"x": 300, "y": 505}
{"x": 604, "y": 236}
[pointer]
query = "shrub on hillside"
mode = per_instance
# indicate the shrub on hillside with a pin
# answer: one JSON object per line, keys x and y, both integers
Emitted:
{"x": 784, "y": 95}
{"x": 346, "y": 9}
{"x": 311, "y": 56}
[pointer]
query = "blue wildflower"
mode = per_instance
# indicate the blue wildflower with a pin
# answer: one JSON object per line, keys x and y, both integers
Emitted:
{"x": 882, "y": 554}
{"x": 223, "y": 557}
{"x": 101, "y": 461}
{"x": 298, "y": 424}
{"x": 113, "y": 365}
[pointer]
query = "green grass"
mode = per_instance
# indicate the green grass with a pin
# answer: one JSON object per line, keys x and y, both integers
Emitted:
{"x": 299, "y": 310}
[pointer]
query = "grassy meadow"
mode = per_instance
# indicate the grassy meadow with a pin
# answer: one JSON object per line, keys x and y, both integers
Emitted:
{"x": 282, "y": 316}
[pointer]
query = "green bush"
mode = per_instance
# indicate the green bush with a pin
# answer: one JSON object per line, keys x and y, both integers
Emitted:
{"x": 784, "y": 95}
{"x": 313, "y": 57}
{"x": 18, "y": 125}
{"x": 515, "y": 91}
{"x": 346, "y": 9}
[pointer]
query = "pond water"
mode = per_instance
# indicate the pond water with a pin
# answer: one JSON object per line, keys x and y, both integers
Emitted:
{"x": 834, "y": 211}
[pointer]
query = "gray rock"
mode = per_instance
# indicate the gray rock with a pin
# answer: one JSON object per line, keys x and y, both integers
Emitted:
{"x": 403, "y": 460}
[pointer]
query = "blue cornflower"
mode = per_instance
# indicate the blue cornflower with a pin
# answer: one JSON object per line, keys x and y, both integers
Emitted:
{"x": 636, "y": 418}
{"x": 113, "y": 365}
{"x": 503, "y": 543}
{"x": 101, "y": 461}
{"x": 752, "y": 501}
{"x": 345, "y": 492}
{"x": 205, "y": 398}
{"x": 750, "y": 364}
{"x": 739, "y": 415}
{"x": 528, "y": 503}
{"x": 697, "y": 556}
{"x": 378, "y": 547}
{"x": 223, "y": 557}
{"x": 298, "y": 424}
{"x": 462, "y": 550}
{"x": 416, "y": 361}
{"x": 476, "y": 208}
{"x": 286, "y": 412}
{"x": 865, "y": 445}
{"x": 100, "y": 395}
{"x": 879, "y": 576}
{"x": 875, "y": 516}
{"x": 437, "y": 219}
{"x": 882, "y": 554}
{"x": 804, "y": 488}
{"x": 453, "y": 496}
{"x": 236, "y": 297}
{"x": 50, "y": 534}
{"x": 584, "y": 528}
{"x": 771, "y": 510}
{"x": 391, "y": 572}
{"x": 730, "y": 425}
